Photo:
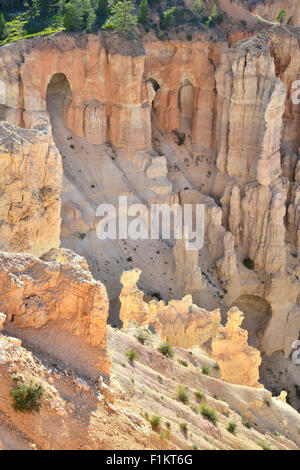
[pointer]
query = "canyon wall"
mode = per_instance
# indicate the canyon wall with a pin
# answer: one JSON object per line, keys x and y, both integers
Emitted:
{"x": 221, "y": 120}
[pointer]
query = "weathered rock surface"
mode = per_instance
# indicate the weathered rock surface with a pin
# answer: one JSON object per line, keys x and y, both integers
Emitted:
{"x": 249, "y": 135}
{"x": 30, "y": 180}
{"x": 180, "y": 322}
{"x": 56, "y": 305}
{"x": 239, "y": 363}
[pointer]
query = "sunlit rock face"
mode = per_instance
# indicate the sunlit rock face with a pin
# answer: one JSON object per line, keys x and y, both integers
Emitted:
{"x": 239, "y": 363}
{"x": 57, "y": 306}
{"x": 30, "y": 180}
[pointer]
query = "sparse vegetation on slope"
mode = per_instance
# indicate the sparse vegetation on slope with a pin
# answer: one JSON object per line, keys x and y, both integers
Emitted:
{"x": 27, "y": 398}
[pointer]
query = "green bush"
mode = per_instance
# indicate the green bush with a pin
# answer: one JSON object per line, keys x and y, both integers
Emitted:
{"x": 248, "y": 263}
{"x": 167, "y": 350}
{"x": 205, "y": 370}
{"x": 164, "y": 434}
{"x": 183, "y": 427}
{"x": 208, "y": 413}
{"x": 199, "y": 395}
{"x": 169, "y": 17}
{"x": 141, "y": 339}
{"x": 197, "y": 7}
{"x": 27, "y": 398}
{"x": 155, "y": 422}
{"x": 231, "y": 427}
{"x": 246, "y": 423}
{"x": 182, "y": 394}
{"x": 131, "y": 354}
{"x": 263, "y": 445}
{"x": 182, "y": 363}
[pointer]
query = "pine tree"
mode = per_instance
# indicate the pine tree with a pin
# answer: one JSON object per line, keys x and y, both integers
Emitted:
{"x": 74, "y": 15}
{"x": 79, "y": 14}
{"x": 197, "y": 7}
{"x": 143, "y": 15}
{"x": 281, "y": 15}
{"x": 102, "y": 9}
{"x": 121, "y": 20}
{"x": 3, "y": 27}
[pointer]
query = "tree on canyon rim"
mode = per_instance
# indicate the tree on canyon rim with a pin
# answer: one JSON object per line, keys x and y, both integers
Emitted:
{"x": 143, "y": 15}
{"x": 121, "y": 19}
{"x": 79, "y": 14}
{"x": 3, "y": 27}
{"x": 281, "y": 15}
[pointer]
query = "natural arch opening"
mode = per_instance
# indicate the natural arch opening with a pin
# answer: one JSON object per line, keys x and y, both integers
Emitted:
{"x": 257, "y": 313}
{"x": 58, "y": 96}
{"x": 153, "y": 87}
{"x": 186, "y": 106}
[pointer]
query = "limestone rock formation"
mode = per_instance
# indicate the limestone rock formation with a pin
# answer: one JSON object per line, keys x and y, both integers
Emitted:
{"x": 30, "y": 178}
{"x": 249, "y": 135}
{"x": 133, "y": 309}
{"x": 57, "y": 306}
{"x": 180, "y": 322}
{"x": 239, "y": 363}
{"x": 188, "y": 274}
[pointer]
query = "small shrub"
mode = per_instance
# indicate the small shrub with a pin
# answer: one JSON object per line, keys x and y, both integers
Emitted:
{"x": 246, "y": 423}
{"x": 155, "y": 422}
{"x": 195, "y": 409}
{"x": 141, "y": 339}
{"x": 164, "y": 434}
{"x": 195, "y": 447}
{"x": 131, "y": 354}
{"x": 209, "y": 413}
{"x": 199, "y": 395}
{"x": 168, "y": 425}
{"x": 216, "y": 366}
{"x": 205, "y": 370}
{"x": 182, "y": 394}
{"x": 248, "y": 263}
{"x": 231, "y": 427}
{"x": 263, "y": 445}
{"x": 182, "y": 363}
{"x": 167, "y": 350}
{"x": 27, "y": 398}
{"x": 183, "y": 427}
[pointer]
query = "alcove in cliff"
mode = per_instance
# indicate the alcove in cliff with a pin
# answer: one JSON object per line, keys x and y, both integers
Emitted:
{"x": 58, "y": 96}
{"x": 186, "y": 106}
{"x": 257, "y": 312}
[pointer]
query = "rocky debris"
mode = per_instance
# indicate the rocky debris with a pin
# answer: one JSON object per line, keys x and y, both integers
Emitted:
{"x": 60, "y": 294}
{"x": 83, "y": 385}
{"x": 239, "y": 363}
{"x": 2, "y": 320}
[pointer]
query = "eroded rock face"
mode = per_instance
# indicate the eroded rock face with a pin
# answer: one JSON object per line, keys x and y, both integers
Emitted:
{"x": 249, "y": 135}
{"x": 57, "y": 305}
{"x": 269, "y": 10}
{"x": 30, "y": 180}
{"x": 180, "y": 322}
{"x": 239, "y": 363}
